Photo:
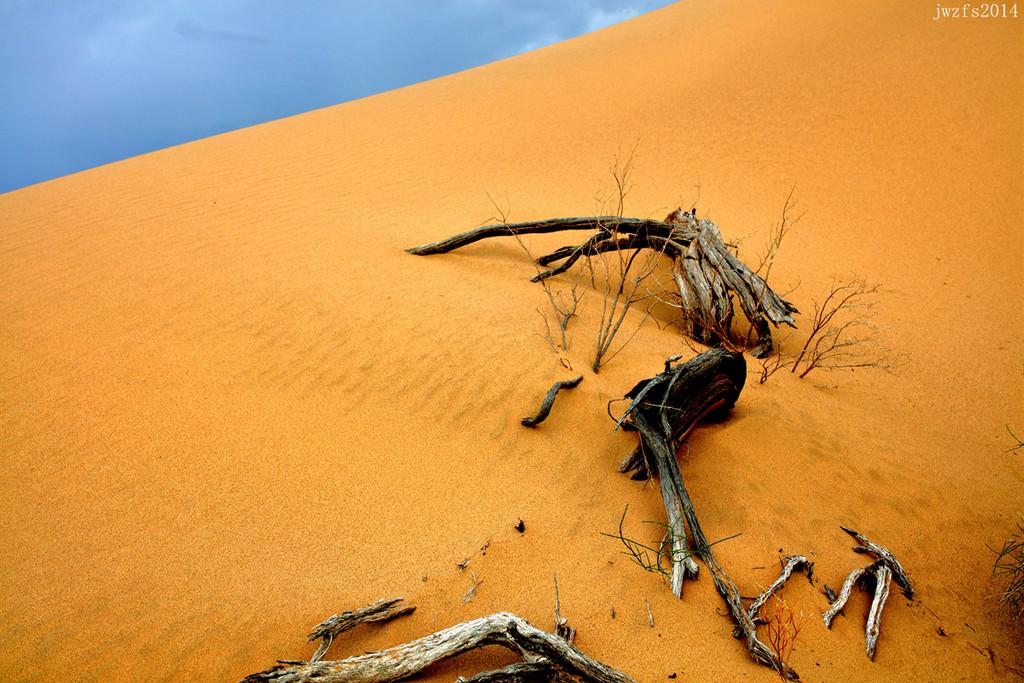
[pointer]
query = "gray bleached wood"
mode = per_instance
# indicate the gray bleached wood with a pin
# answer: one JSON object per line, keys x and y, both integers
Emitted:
{"x": 792, "y": 562}
{"x": 886, "y": 557}
{"x": 883, "y": 571}
{"x": 328, "y": 629}
{"x": 844, "y": 594}
{"x": 883, "y": 577}
{"x": 520, "y": 672}
{"x": 403, "y": 661}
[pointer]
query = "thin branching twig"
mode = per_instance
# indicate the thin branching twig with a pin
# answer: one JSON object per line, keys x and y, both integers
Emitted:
{"x": 842, "y": 334}
{"x": 620, "y": 290}
{"x": 781, "y": 632}
{"x": 563, "y": 305}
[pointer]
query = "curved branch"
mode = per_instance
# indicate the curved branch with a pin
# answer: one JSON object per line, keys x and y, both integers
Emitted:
{"x": 885, "y": 557}
{"x": 607, "y": 224}
{"x": 844, "y": 594}
{"x": 792, "y": 562}
{"x": 549, "y": 400}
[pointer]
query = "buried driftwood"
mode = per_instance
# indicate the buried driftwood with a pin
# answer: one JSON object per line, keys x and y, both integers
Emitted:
{"x": 665, "y": 409}
{"x": 706, "y": 274}
{"x": 885, "y": 569}
{"x": 547, "y": 657}
{"x": 549, "y": 400}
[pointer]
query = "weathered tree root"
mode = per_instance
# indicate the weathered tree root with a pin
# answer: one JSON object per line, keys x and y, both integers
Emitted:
{"x": 706, "y": 273}
{"x": 665, "y": 409}
{"x": 882, "y": 571}
{"x": 547, "y": 657}
{"x": 549, "y": 400}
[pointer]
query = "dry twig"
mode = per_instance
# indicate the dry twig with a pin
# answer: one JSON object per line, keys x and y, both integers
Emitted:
{"x": 562, "y": 628}
{"x": 1019, "y": 444}
{"x": 842, "y": 335}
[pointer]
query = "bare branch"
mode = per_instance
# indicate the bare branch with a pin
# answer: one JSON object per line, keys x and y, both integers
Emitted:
{"x": 885, "y": 557}
{"x": 328, "y": 629}
{"x": 842, "y": 335}
{"x": 562, "y": 628}
{"x": 883, "y": 576}
{"x": 600, "y": 223}
{"x": 792, "y": 563}
{"x": 549, "y": 400}
{"x": 844, "y": 594}
{"x": 1018, "y": 446}
{"x": 707, "y": 276}
{"x": 617, "y": 303}
{"x": 407, "y": 660}
{"x": 772, "y": 364}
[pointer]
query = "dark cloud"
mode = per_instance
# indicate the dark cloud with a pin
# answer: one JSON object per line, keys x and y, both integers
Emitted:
{"x": 86, "y": 82}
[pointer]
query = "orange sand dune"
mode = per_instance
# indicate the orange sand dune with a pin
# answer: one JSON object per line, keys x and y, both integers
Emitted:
{"x": 232, "y": 405}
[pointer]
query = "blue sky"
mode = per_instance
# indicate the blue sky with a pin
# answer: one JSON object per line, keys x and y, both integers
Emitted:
{"x": 87, "y": 82}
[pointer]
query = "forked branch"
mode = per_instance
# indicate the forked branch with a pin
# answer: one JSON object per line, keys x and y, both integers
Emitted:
{"x": 882, "y": 572}
{"x": 792, "y": 562}
{"x": 842, "y": 335}
{"x": 844, "y": 594}
{"x": 885, "y": 557}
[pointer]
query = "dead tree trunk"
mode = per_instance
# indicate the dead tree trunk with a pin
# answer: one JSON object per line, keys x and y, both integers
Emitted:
{"x": 707, "y": 275}
{"x": 665, "y": 409}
